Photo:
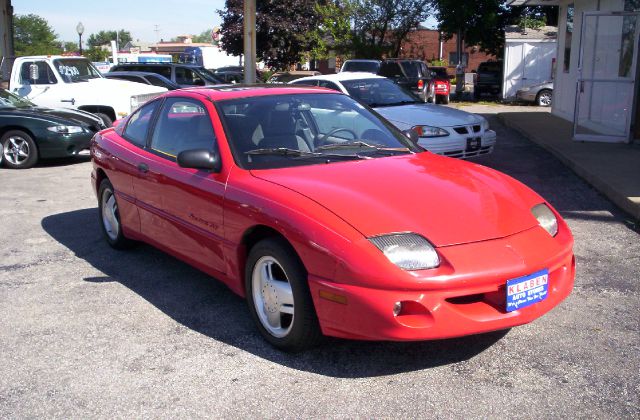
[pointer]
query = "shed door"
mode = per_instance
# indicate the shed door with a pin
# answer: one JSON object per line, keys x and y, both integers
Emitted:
{"x": 527, "y": 64}
{"x": 606, "y": 76}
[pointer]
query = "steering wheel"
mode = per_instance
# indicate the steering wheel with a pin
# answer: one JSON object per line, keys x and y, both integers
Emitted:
{"x": 322, "y": 140}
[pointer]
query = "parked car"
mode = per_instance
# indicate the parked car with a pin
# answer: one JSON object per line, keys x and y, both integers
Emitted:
{"x": 541, "y": 94}
{"x": 441, "y": 84}
{"x": 328, "y": 219}
{"x": 184, "y": 75}
{"x": 29, "y": 133}
{"x": 287, "y": 76}
{"x": 488, "y": 79}
{"x": 233, "y": 74}
{"x": 413, "y": 75}
{"x": 145, "y": 77}
{"x": 443, "y": 130}
{"x": 359, "y": 65}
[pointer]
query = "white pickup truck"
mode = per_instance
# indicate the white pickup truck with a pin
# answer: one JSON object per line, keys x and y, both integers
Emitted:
{"x": 73, "y": 82}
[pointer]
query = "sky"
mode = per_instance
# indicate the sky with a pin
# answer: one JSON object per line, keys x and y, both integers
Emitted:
{"x": 136, "y": 16}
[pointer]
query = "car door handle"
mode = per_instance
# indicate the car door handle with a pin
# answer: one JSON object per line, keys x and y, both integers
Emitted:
{"x": 143, "y": 167}
{"x": 72, "y": 100}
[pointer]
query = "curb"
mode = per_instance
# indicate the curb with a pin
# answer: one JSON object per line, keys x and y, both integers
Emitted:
{"x": 620, "y": 200}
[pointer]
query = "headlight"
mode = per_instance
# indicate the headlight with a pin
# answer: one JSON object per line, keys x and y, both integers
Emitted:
{"x": 546, "y": 218}
{"x": 408, "y": 251}
{"x": 485, "y": 124}
{"x": 428, "y": 131}
{"x": 66, "y": 129}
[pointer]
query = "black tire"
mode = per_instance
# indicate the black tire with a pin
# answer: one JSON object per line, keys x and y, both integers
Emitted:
{"x": 112, "y": 231}
{"x": 302, "y": 327}
{"x": 105, "y": 118}
{"x": 445, "y": 99}
{"x": 19, "y": 151}
{"x": 544, "y": 97}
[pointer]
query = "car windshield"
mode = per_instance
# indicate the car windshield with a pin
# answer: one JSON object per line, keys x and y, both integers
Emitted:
{"x": 366, "y": 66}
{"x": 9, "y": 100}
{"x": 279, "y": 131}
{"x": 75, "y": 70}
{"x": 378, "y": 92}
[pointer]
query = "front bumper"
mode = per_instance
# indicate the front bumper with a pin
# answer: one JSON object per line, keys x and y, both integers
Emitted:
{"x": 54, "y": 145}
{"x": 457, "y": 144}
{"x": 464, "y": 303}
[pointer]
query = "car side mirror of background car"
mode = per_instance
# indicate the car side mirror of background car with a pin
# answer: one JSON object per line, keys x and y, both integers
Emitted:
{"x": 200, "y": 159}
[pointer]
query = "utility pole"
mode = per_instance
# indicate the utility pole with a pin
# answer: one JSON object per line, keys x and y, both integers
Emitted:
{"x": 249, "y": 41}
{"x": 7, "y": 54}
{"x": 157, "y": 31}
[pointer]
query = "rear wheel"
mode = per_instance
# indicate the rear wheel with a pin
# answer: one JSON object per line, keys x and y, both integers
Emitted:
{"x": 105, "y": 118}
{"x": 278, "y": 296}
{"x": 544, "y": 97}
{"x": 110, "y": 223}
{"x": 19, "y": 151}
{"x": 445, "y": 99}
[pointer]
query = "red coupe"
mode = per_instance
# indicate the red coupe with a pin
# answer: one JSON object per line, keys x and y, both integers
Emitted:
{"x": 327, "y": 218}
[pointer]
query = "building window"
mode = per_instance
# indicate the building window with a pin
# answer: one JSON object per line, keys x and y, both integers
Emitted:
{"x": 453, "y": 59}
{"x": 568, "y": 34}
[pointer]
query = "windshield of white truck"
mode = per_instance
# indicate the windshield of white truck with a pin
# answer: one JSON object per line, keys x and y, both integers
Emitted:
{"x": 76, "y": 69}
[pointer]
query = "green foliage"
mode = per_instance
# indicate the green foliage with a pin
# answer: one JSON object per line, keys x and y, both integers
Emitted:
{"x": 333, "y": 32}
{"x": 281, "y": 33}
{"x": 532, "y": 22}
{"x": 439, "y": 63}
{"x": 69, "y": 46}
{"x": 204, "y": 36}
{"x": 34, "y": 36}
{"x": 96, "y": 54}
{"x": 105, "y": 38}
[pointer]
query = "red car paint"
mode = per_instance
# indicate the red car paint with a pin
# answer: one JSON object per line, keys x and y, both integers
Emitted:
{"x": 478, "y": 220}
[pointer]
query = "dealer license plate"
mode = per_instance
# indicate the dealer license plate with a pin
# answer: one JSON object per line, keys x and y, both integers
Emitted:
{"x": 473, "y": 144}
{"x": 527, "y": 290}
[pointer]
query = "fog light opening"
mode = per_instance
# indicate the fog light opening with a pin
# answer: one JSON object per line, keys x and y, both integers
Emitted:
{"x": 397, "y": 308}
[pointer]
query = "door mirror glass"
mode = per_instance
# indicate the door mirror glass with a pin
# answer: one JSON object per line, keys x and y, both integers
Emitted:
{"x": 34, "y": 72}
{"x": 200, "y": 159}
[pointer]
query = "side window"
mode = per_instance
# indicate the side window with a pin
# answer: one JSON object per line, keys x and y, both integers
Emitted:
{"x": 390, "y": 69}
{"x": 329, "y": 85}
{"x": 183, "y": 124}
{"x": 138, "y": 125}
{"x": 185, "y": 76}
{"x": 45, "y": 74}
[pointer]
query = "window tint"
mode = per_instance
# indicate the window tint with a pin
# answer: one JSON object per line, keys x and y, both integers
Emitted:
{"x": 410, "y": 68}
{"x": 138, "y": 125}
{"x": 329, "y": 85}
{"x": 390, "y": 69}
{"x": 156, "y": 81}
{"x": 183, "y": 124}
{"x": 45, "y": 74}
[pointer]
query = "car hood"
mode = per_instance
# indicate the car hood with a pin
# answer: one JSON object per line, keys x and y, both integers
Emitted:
{"x": 59, "y": 116}
{"x": 446, "y": 200}
{"x": 427, "y": 114}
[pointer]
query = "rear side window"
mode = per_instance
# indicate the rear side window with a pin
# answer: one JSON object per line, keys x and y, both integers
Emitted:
{"x": 390, "y": 69}
{"x": 410, "y": 68}
{"x": 138, "y": 125}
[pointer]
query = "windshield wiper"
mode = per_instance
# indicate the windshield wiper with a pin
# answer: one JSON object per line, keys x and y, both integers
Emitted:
{"x": 285, "y": 151}
{"x": 360, "y": 144}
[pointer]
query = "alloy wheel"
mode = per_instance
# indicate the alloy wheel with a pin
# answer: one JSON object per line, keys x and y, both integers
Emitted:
{"x": 272, "y": 296}
{"x": 16, "y": 150}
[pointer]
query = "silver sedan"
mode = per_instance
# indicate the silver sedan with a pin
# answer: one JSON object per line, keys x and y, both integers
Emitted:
{"x": 541, "y": 94}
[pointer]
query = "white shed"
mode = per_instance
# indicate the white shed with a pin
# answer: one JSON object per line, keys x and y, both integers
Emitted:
{"x": 529, "y": 57}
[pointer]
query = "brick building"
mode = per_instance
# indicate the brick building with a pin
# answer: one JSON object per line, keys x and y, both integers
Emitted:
{"x": 425, "y": 44}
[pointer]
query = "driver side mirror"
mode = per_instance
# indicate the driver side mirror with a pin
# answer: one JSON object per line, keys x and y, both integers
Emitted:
{"x": 200, "y": 159}
{"x": 34, "y": 72}
{"x": 411, "y": 135}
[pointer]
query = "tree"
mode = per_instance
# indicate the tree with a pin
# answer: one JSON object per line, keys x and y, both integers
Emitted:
{"x": 333, "y": 32}
{"x": 34, "y": 36}
{"x": 204, "y": 36}
{"x": 105, "y": 37}
{"x": 69, "y": 46}
{"x": 281, "y": 33}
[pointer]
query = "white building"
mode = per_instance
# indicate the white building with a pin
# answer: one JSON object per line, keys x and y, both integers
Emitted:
{"x": 595, "y": 83}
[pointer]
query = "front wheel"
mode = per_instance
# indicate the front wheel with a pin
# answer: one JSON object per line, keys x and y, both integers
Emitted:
{"x": 278, "y": 296}
{"x": 110, "y": 223}
{"x": 544, "y": 98}
{"x": 19, "y": 151}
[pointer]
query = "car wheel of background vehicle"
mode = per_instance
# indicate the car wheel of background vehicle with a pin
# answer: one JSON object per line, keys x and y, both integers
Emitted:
{"x": 544, "y": 97}
{"x": 19, "y": 151}
{"x": 105, "y": 118}
{"x": 110, "y": 217}
{"x": 445, "y": 99}
{"x": 279, "y": 298}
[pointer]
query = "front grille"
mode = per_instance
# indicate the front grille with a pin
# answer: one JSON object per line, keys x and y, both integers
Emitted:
{"x": 461, "y": 130}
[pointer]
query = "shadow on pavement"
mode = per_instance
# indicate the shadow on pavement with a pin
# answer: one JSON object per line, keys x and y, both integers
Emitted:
{"x": 202, "y": 304}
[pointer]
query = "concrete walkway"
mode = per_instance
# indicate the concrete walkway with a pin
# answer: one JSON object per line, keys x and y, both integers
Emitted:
{"x": 611, "y": 168}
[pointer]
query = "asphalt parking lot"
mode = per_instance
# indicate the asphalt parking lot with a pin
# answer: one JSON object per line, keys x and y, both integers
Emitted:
{"x": 87, "y": 331}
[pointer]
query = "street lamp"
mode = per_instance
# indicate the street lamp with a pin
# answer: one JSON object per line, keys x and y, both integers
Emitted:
{"x": 80, "y": 30}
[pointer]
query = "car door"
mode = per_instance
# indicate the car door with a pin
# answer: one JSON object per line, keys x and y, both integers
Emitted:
{"x": 181, "y": 208}
{"x": 43, "y": 90}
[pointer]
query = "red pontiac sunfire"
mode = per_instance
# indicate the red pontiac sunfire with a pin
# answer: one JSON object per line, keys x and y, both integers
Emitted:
{"x": 328, "y": 219}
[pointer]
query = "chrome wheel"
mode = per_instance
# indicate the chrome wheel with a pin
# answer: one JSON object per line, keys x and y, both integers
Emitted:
{"x": 272, "y": 296}
{"x": 110, "y": 218}
{"x": 544, "y": 98}
{"x": 16, "y": 150}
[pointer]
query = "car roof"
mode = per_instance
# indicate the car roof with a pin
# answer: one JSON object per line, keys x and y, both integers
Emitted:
{"x": 236, "y": 91}
{"x": 343, "y": 76}
{"x": 133, "y": 73}
{"x": 362, "y": 60}
{"x": 157, "y": 64}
